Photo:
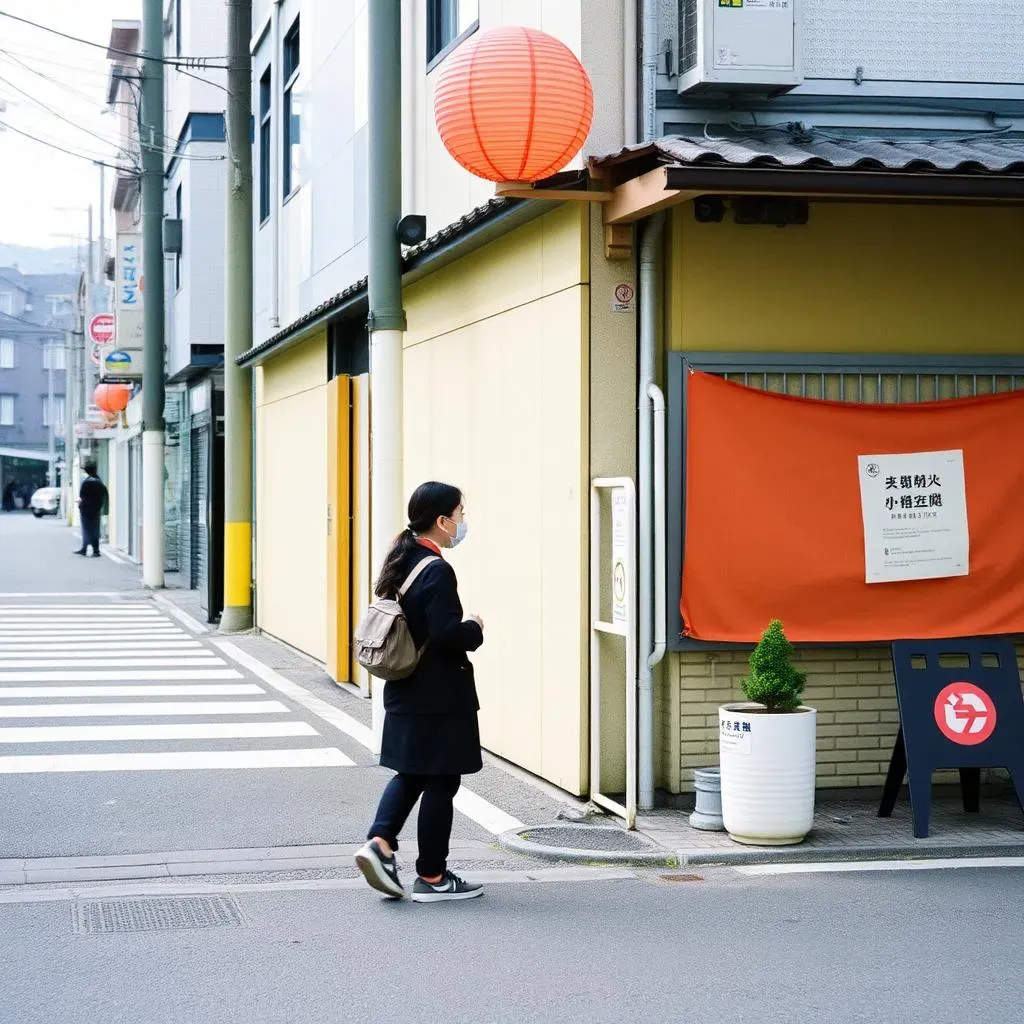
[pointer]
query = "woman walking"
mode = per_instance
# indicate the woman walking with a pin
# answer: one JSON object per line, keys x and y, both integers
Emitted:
{"x": 431, "y": 735}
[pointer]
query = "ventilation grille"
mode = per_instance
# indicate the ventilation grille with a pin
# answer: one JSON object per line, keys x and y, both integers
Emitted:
{"x": 688, "y": 15}
{"x": 106, "y": 917}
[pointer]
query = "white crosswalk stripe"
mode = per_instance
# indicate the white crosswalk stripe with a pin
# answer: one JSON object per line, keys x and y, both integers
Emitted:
{"x": 157, "y": 699}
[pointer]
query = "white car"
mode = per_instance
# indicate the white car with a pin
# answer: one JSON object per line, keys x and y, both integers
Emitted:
{"x": 45, "y": 502}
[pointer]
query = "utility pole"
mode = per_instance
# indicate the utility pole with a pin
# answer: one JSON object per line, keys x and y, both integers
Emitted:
{"x": 51, "y": 443}
{"x": 237, "y": 613}
{"x": 69, "y": 425}
{"x": 151, "y": 137}
{"x": 387, "y": 316}
{"x": 88, "y": 387}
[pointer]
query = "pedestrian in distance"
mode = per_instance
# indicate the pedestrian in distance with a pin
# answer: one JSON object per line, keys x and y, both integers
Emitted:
{"x": 431, "y": 734}
{"x": 92, "y": 496}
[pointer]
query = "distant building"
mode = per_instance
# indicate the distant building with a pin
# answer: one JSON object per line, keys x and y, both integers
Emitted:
{"x": 36, "y": 312}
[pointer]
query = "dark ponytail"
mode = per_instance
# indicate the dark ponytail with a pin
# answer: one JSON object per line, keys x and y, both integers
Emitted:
{"x": 428, "y": 503}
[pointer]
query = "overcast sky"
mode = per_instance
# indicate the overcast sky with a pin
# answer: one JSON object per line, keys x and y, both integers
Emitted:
{"x": 39, "y": 70}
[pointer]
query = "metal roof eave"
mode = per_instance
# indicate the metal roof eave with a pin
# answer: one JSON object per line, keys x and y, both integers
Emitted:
{"x": 445, "y": 247}
{"x": 895, "y": 185}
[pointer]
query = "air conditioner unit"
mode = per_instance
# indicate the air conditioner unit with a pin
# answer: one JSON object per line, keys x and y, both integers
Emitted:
{"x": 739, "y": 45}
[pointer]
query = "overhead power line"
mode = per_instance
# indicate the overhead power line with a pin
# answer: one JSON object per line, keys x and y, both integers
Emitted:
{"x": 62, "y": 149}
{"x": 199, "y": 62}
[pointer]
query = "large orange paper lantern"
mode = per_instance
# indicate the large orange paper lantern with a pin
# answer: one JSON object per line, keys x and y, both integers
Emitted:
{"x": 112, "y": 397}
{"x": 513, "y": 104}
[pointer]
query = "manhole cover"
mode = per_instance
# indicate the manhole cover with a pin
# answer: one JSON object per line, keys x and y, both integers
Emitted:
{"x": 97, "y": 917}
{"x": 583, "y": 837}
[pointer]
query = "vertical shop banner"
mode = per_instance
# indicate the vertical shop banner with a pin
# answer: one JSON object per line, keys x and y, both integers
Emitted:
{"x": 915, "y": 516}
{"x": 790, "y": 506}
{"x": 124, "y": 360}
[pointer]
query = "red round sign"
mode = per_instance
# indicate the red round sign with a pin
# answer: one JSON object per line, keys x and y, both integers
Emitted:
{"x": 965, "y": 714}
{"x": 101, "y": 328}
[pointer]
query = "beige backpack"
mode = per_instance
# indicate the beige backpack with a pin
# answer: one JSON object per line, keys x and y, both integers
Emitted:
{"x": 383, "y": 643}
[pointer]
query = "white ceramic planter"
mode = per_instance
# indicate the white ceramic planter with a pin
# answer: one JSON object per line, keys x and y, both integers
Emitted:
{"x": 767, "y": 763}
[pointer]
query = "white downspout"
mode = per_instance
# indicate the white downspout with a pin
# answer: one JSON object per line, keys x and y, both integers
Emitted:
{"x": 629, "y": 72}
{"x": 277, "y": 132}
{"x": 650, "y": 451}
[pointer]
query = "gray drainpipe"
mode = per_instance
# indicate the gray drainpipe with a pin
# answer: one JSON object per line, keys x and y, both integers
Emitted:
{"x": 651, "y": 518}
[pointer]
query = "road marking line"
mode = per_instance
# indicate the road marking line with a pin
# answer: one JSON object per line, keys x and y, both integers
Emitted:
{"x": 157, "y": 690}
{"x": 144, "y": 710}
{"x": 183, "y": 617}
{"x": 137, "y": 675}
{"x": 80, "y": 643}
{"x": 104, "y": 646}
{"x": 473, "y": 806}
{"x": 187, "y": 760}
{"x": 484, "y": 813}
{"x": 204, "y": 660}
{"x": 85, "y": 629}
{"x": 92, "y": 651}
{"x": 47, "y": 893}
{"x": 827, "y": 867}
{"x": 188, "y": 731}
{"x": 57, "y": 610}
{"x": 84, "y": 633}
{"x": 115, "y": 606}
{"x": 81, "y": 625}
{"x": 84, "y": 594}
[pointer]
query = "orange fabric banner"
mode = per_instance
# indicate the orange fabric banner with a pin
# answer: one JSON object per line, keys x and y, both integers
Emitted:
{"x": 774, "y": 525}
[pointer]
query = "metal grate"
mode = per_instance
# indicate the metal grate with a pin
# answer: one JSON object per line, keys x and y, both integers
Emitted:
{"x": 105, "y": 917}
{"x": 688, "y": 15}
{"x": 883, "y": 388}
{"x": 588, "y": 837}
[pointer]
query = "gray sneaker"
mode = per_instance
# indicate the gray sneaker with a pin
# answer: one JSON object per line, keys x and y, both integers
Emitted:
{"x": 451, "y": 887}
{"x": 379, "y": 871}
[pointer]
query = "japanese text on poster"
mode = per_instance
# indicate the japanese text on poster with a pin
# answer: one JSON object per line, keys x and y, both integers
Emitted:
{"x": 914, "y": 507}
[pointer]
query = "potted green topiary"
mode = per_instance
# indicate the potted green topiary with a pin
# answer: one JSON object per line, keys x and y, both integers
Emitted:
{"x": 767, "y": 750}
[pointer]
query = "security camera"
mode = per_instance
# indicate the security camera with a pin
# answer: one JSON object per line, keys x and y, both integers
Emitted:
{"x": 412, "y": 229}
{"x": 708, "y": 210}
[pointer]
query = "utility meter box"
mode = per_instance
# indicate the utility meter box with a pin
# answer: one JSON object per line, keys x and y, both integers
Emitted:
{"x": 739, "y": 45}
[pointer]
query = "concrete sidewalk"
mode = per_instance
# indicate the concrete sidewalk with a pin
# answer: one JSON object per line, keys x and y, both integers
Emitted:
{"x": 556, "y": 826}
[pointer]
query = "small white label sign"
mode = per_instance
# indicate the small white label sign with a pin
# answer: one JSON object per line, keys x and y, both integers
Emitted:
{"x": 623, "y": 298}
{"x": 914, "y": 508}
{"x": 734, "y": 735}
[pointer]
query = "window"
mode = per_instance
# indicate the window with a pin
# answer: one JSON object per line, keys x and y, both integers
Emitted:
{"x": 447, "y": 22}
{"x": 6, "y": 410}
{"x": 58, "y": 411}
{"x": 265, "y": 137}
{"x": 55, "y": 357}
{"x": 6, "y": 353}
{"x": 6, "y": 303}
{"x": 177, "y": 255}
{"x": 60, "y": 305}
{"x": 292, "y": 112}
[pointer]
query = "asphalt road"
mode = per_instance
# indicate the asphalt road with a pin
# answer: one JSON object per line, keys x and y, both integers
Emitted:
{"x": 928, "y": 947}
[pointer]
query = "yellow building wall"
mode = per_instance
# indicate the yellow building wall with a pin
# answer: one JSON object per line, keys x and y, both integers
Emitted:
{"x": 496, "y": 402}
{"x": 291, "y": 496}
{"x": 857, "y": 278}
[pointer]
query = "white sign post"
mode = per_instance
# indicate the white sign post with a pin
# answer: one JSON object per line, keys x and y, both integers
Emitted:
{"x": 914, "y": 508}
{"x": 620, "y": 553}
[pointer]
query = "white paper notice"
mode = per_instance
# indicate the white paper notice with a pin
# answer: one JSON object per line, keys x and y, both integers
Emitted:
{"x": 914, "y": 507}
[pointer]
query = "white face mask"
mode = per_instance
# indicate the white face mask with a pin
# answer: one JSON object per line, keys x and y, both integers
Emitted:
{"x": 461, "y": 529}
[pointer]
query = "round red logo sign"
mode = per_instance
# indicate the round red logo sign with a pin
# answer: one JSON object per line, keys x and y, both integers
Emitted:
{"x": 965, "y": 714}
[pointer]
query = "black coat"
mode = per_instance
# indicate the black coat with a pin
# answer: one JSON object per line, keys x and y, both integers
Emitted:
{"x": 92, "y": 496}
{"x": 431, "y": 722}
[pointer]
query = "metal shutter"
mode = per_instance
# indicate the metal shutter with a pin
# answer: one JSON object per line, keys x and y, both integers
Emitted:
{"x": 200, "y": 482}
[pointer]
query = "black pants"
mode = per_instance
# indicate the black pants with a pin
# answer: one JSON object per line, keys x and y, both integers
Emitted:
{"x": 434, "y": 827}
{"x": 90, "y": 530}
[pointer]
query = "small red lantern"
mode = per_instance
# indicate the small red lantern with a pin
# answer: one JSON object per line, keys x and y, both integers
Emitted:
{"x": 513, "y": 104}
{"x": 112, "y": 398}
